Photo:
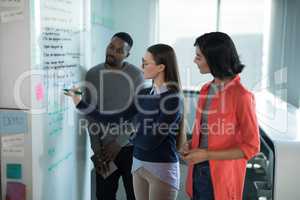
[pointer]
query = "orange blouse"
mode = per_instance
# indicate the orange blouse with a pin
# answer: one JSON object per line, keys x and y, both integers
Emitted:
{"x": 232, "y": 123}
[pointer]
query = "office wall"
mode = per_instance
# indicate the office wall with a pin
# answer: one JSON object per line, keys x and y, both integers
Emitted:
{"x": 283, "y": 65}
{"x": 14, "y": 54}
{"x": 137, "y": 17}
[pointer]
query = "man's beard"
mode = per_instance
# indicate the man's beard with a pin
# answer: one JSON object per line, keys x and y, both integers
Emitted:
{"x": 109, "y": 60}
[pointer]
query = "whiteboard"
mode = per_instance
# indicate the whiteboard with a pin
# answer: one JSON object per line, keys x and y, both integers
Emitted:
{"x": 59, "y": 152}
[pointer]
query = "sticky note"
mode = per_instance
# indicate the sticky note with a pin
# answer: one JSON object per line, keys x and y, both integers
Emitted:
{"x": 13, "y": 151}
{"x": 12, "y": 4}
{"x": 15, "y": 140}
{"x": 13, "y": 122}
{"x": 39, "y": 92}
{"x": 14, "y": 171}
{"x": 15, "y": 191}
{"x": 11, "y": 15}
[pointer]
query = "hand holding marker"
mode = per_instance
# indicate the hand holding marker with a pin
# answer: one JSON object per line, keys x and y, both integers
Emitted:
{"x": 75, "y": 93}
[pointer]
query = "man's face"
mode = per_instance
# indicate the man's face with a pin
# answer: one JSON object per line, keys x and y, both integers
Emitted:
{"x": 116, "y": 52}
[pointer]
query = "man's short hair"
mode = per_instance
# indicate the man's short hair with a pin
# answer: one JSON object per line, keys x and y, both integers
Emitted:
{"x": 125, "y": 37}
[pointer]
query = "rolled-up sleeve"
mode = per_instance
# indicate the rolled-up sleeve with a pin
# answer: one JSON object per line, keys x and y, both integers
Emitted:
{"x": 248, "y": 126}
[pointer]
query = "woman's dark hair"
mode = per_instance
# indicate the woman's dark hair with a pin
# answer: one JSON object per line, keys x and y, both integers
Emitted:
{"x": 220, "y": 54}
{"x": 164, "y": 54}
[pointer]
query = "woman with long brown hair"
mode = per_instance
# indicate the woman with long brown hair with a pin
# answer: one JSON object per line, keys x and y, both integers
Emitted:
{"x": 156, "y": 174}
{"x": 159, "y": 126}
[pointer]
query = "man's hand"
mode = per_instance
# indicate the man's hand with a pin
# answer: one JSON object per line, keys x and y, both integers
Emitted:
{"x": 110, "y": 151}
{"x": 100, "y": 166}
{"x": 107, "y": 154}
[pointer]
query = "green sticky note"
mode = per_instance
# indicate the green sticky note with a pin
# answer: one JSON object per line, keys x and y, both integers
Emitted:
{"x": 14, "y": 171}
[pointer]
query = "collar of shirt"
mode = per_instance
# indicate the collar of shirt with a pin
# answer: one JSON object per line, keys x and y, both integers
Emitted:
{"x": 159, "y": 90}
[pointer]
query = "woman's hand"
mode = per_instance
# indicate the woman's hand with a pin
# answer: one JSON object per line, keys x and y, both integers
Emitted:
{"x": 195, "y": 156}
{"x": 186, "y": 147}
{"x": 72, "y": 93}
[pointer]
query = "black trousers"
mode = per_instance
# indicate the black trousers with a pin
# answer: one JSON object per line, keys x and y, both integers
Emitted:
{"x": 202, "y": 185}
{"x": 106, "y": 189}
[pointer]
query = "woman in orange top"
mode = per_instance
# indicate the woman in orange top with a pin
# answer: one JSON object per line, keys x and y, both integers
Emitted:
{"x": 225, "y": 133}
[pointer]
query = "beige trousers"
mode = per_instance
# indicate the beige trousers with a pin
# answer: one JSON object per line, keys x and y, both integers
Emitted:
{"x": 149, "y": 187}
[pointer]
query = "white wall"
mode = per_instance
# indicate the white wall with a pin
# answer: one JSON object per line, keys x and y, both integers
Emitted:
{"x": 135, "y": 17}
{"x": 284, "y": 47}
{"x": 14, "y": 58}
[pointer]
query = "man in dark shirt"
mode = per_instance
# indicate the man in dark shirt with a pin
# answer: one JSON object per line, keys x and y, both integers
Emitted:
{"x": 115, "y": 82}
